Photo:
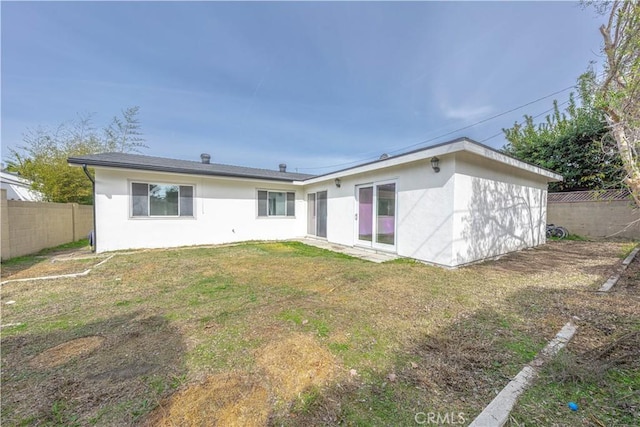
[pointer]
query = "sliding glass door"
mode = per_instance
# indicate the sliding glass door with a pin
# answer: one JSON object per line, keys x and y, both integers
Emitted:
{"x": 376, "y": 215}
{"x": 317, "y": 214}
{"x": 311, "y": 214}
{"x": 365, "y": 214}
{"x": 386, "y": 214}
{"x": 322, "y": 213}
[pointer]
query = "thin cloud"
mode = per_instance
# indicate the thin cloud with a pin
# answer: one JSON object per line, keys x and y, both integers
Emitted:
{"x": 467, "y": 112}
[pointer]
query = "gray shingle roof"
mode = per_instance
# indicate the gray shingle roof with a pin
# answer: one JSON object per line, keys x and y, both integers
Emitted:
{"x": 161, "y": 164}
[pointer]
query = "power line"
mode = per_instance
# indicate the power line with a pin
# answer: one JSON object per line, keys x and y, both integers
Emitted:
{"x": 450, "y": 132}
{"x": 533, "y": 117}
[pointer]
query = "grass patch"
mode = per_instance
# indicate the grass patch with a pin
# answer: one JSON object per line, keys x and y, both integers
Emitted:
{"x": 523, "y": 347}
{"x": 570, "y": 237}
{"x": 338, "y": 347}
{"x": 627, "y": 249}
{"x": 62, "y": 414}
{"x": 23, "y": 260}
{"x": 576, "y": 238}
{"x": 299, "y": 249}
{"x": 404, "y": 261}
{"x": 309, "y": 323}
{"x": 294, "y": 316}
{"x": 307, "y": 401}
{"x": 71, "y": 245}
{"x": 37, "y": 257}
{"x": 15, "y": 328}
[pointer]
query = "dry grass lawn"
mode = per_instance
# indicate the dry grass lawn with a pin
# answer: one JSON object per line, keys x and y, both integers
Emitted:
{"x": 281, "y": 334}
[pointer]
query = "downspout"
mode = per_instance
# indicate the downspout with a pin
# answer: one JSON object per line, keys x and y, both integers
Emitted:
{"x": 93, "y": 186}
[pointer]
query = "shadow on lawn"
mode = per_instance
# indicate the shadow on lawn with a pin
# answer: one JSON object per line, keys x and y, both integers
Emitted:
{"x": 139, "y": 361}
{"x": 14, "y": 266}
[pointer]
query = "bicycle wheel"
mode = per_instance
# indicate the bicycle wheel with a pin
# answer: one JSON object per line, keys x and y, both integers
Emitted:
{"x": 556, "y": 232}
{"x": 564, "y": 231}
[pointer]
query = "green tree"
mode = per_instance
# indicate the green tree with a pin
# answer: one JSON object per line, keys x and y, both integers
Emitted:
{"x": 123, "y": 134}
{"x": 575, "y": 143}
{"x": 619, "y": 91}
{"x": 42, "y": 158}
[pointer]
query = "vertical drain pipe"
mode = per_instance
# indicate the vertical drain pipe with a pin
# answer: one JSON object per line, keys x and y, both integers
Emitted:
{"x": 93, "y": 186}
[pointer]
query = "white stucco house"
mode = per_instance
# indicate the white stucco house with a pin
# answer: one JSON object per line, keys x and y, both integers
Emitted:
{"x": 449, "y": 204}
{"x": 18, "y": 188}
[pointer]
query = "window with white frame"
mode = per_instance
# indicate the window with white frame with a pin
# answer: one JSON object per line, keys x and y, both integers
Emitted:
{"x": 149, "y": 200}
{"x": 276, "y": 203}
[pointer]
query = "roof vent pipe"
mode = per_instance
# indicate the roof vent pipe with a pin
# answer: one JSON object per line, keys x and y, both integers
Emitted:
{"x": 206, "y": 159}
{"x": 283, "y": 167}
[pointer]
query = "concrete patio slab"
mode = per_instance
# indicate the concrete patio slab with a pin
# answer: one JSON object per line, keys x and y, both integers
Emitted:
{"x": 357, "y": 252}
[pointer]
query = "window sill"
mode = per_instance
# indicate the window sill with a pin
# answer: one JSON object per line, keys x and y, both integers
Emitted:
{"x": 139, "y": 218}
{"x": 276, "y": 217}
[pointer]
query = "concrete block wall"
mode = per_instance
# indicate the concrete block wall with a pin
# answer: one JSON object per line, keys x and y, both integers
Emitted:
{"x": 82, "y": 221}
{"x": 28, "y": 227}
{"x": 4, "y": 220}
{"x": 596, "y": 219}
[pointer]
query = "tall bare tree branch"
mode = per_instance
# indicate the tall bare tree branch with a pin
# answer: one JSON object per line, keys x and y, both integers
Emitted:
{"x": 618, "y": 92}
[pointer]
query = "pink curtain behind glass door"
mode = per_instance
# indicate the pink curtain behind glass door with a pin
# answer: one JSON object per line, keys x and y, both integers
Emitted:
{"x": 365, "y": 213}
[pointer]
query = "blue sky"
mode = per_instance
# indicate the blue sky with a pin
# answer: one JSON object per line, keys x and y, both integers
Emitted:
{"x": 314, "y": 85}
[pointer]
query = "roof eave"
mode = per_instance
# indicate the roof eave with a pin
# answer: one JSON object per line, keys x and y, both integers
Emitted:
{"x": 457, "y": 145}
{"x": 73, "y": 161}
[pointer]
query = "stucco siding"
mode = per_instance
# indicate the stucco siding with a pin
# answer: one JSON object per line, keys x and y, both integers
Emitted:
{"x": 340, "y": 209}
{"x": 423, "y": 215}
{"x": 225, "y": 210}
{"x": 496, "y": 210}
{"x": 425, "y": 203}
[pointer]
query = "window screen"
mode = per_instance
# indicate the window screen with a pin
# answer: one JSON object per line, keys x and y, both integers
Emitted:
{"x": 161, "y": 200}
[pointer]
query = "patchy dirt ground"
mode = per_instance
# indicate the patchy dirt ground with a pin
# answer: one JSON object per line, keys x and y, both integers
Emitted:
{"x": 600, "y": 368}
{"x": 564, "y": 256}
{"x": 288, "y": 367}
{"x": 294, "y": 364}
{"x": 630, "y": 281}
{"x": 63, "y": 261}
{"x": 284, "y": 334}
{"x": 225, "y": 400}
{"x": 66, "y": 352}
{"x": 48, "y": 268}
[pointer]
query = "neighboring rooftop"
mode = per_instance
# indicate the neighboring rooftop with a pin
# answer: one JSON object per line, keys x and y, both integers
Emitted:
{"x": 18, "y": 188}
{"x": 161, "y": 164}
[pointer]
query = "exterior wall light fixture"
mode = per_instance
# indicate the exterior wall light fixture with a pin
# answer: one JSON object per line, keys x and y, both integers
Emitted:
{"x": 338, "y": 182}
{"x": 435, "y": 162}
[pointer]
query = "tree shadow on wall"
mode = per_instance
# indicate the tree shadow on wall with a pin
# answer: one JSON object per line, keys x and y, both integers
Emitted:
{"x": 501, "y": 218}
